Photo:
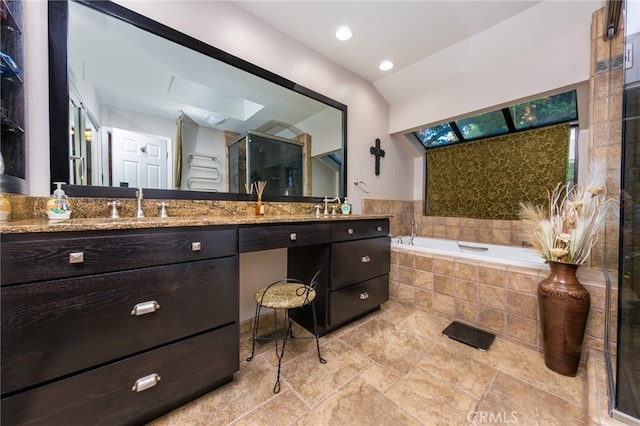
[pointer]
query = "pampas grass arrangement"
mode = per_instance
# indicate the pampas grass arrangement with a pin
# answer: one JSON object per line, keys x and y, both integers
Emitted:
{"x": 568, "y": 227}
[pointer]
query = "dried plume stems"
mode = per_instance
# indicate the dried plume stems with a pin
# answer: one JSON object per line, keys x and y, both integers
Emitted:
{"x": 259, "y": 185}
{"x": 567, "y": 228}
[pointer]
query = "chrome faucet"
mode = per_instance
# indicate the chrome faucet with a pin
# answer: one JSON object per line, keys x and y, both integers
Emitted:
{"x": 326, "y": 202}
{"x": 139, "y": 212}
{"x": 399, "y": 240}
{"x": 413, "y": 232}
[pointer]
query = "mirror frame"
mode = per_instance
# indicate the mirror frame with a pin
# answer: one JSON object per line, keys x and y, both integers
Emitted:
{"x": 59, "y": 103}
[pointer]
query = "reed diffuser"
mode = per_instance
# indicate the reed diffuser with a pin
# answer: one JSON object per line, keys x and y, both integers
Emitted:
{"x": 260, "y": 185}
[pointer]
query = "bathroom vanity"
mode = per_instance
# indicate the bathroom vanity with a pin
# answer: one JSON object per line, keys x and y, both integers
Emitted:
{"x": 353, "y": 259}
{"x": 119, "y": 326}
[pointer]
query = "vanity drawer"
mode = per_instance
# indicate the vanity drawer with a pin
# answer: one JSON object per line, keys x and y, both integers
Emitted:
{"x": 54, "y": 328}
{"x": 354, "y": 230}
{"x": 350, "y": 302}
{"x": 282, "y": 236}
{"x": 37, "y": 257}
{"x": 104, "y": 396}
{"x": 355, "y": 261}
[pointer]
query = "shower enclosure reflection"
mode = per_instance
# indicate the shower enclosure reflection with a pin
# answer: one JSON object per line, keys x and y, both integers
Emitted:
{"x": 282, "y": 163}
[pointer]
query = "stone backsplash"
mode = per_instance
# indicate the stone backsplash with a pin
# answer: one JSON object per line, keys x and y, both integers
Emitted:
{"x": 25, "y": 207}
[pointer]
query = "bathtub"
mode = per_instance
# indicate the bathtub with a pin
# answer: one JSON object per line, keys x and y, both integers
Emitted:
{"x": 507, "y": 255}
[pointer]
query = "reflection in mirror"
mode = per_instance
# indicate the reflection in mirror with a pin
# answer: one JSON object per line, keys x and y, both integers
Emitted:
{"x": 281, "y": 163}
{"x": 155, "y": 112}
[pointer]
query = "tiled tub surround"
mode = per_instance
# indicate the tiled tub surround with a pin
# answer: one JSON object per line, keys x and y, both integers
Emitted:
{"x": 498, "y": 298}
{"x": 502, "y": 232}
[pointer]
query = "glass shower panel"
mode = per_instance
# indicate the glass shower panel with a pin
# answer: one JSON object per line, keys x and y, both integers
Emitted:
{"x": 628, "y": 358}
{"x": 278, "y": 161}
{"x": 627, "y": 384}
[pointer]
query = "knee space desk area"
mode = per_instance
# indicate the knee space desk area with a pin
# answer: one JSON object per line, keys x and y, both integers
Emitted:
{"x": 120, "y": 322}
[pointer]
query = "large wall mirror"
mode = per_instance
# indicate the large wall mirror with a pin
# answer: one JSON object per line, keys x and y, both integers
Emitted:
{"x": 137, "y": 104}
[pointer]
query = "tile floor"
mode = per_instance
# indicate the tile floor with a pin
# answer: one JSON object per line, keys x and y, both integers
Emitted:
{"x": 392, "y": 367}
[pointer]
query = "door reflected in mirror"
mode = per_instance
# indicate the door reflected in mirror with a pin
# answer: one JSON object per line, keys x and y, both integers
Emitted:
{"x": 150, "y": 107}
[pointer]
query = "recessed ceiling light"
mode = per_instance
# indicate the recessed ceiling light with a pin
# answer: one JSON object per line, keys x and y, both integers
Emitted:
{"x": 343, "y": 33}
{"x": 386, "y": 65}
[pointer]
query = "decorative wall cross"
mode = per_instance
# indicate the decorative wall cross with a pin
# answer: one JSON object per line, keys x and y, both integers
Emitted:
{"x": 375, "y": 150}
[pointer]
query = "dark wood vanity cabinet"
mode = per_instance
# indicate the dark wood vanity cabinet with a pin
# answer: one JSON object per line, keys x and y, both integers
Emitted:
{"x": 355, "y": 273}
{"x": 121, "y": 326}
{"x": 115, "y": 327}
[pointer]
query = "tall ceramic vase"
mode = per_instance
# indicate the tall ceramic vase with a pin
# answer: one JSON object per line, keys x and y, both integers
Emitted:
{"x": 564, "y": 307}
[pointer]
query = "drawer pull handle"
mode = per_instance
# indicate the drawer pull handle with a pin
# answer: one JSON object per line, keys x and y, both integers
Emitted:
{"x": 293, "y": 236}
{"x": 379, "y": 228}
{"x": 364, "y": 296}
{"x": 196, "y": 246}
{"x": 350, "y": 231}
{"x": 77, "y": 257}
{"x": 365, "y": 259}
{"x": 146, "y": 382}
{"x": 145, "y": 308}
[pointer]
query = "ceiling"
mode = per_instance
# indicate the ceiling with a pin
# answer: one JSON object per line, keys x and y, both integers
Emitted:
{"x": 416, "y": 34}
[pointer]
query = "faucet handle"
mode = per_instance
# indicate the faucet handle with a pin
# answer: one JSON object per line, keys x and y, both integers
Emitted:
{"x": 113, "y": 214}
{"x": 163, "y": 209}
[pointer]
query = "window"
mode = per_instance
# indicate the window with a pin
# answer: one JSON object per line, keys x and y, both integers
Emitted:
{"x": 534, "y": 114}
{"x": 483, "y": 126}
{"x": 439, "y": 135}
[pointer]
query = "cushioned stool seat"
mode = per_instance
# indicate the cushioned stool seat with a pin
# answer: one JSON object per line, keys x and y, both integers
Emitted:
{"x": 285, "y": 294}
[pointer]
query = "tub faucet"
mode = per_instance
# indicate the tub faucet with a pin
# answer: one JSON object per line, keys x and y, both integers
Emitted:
{"x": 139, "y": 213}
{"x": 399, "y": 240}
{"x": 413, "y": 232}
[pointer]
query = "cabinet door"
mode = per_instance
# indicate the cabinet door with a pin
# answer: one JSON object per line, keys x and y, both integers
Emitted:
{"x": 106, "y": 395}
{"x": 357, "y": 230}
{"x": 360, "y": 260}
{"x": 351, "y": 302}
{"x": 282, "y": 236}
{"x": 54, "y": 328}
{"x": 37, "y": 257}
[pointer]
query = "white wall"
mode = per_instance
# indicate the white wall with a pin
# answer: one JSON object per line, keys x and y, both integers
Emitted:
{"x": 259, "y": 269}
{"x": 36, "y": 75}
{"x": 560, "y": 63}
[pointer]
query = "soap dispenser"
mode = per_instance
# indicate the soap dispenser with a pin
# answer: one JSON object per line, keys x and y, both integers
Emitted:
{"x": 58, "y": 206}
{"x": 346, "y": 207}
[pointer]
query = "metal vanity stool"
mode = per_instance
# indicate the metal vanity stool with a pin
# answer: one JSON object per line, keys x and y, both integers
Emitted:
{"x": 289, "y": 293}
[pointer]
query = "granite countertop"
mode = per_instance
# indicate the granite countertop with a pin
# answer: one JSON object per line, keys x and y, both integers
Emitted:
{"x": 98, "y": 224}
